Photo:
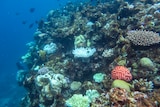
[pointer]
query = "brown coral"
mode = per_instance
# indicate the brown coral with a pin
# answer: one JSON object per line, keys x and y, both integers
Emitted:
{"x": 143, "y": 37}
{"x": 118, "y": 96}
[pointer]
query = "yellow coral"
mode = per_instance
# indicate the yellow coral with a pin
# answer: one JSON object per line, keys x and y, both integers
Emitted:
{"x": 121, "y": 84}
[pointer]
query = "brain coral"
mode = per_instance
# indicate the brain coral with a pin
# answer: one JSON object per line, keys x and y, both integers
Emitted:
{"x": 121, "y": 73}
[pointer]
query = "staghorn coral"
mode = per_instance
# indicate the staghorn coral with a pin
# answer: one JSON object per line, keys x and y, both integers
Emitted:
{"x": 143, "y": 37}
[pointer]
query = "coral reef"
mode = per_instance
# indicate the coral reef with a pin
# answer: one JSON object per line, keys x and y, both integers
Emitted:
{"x": 116, "y": 39}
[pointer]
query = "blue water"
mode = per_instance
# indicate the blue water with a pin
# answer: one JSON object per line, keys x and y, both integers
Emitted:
{"x": 15, "y": 19}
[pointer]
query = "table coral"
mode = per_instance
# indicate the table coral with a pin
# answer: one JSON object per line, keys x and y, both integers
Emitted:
{"x": 143, "y": 38}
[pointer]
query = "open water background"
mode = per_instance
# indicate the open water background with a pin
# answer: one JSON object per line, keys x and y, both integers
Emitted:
{"x": 13, "y": 37}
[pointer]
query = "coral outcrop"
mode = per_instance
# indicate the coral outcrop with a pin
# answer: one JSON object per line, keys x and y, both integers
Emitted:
{"x": 118, "y": 40}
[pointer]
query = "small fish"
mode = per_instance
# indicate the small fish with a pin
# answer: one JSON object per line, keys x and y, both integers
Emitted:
{"x": 21, "y": 65}
{"x": 36, "y": 22}
{"x": 60, "y": 5}
{"x": 40, "y": 23}
{"x": 31, "y": 25}
{"x": 24, "y": 22}
{"x": 32, "y": 10}
{"x": 17, "y": 13}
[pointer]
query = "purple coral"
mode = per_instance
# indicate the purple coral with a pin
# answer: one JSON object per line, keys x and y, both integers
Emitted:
{"x": 43, "y": 70}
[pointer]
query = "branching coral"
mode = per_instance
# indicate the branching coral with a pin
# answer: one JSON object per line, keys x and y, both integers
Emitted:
{"x": 143, "y": 85}
{"x": 118, "y": 96}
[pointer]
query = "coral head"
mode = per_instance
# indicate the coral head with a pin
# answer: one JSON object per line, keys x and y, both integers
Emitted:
{"x": 121, "y": 73}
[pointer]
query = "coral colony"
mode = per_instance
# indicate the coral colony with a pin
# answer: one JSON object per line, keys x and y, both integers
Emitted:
{"x": 120, "y": 41}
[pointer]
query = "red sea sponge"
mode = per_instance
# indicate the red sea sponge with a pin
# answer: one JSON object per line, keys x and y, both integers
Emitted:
{"x": 121, "y": 73}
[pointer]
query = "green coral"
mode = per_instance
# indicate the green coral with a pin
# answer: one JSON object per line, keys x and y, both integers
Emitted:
{"x": 79, "y": 41}
{"x": 92, "y": 94}
{"x": 122, "y": 84}
{"x": 98, "y": 77}
{"x": 78, "y": 100}
{"x": 75, "y": 85}
{"x": 147, "y": 63}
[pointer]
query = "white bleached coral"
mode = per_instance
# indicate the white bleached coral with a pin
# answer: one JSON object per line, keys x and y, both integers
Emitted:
{"x": 50, "y": 48}
{"x": 83, "y": 52}
{"x": 108, "y": 53}
{"x": 50, "y": 84}
{"x": 78, "y": 100}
